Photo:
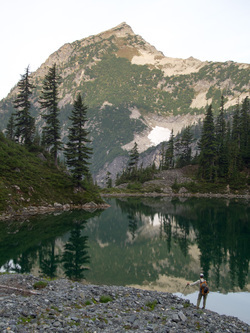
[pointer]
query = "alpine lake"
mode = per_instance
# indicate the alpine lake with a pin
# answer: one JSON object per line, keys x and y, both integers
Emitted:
{"x": 151, "y": 243}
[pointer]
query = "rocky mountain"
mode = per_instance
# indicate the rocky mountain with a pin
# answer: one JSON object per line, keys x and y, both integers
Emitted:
{"x": 134, "y": 93}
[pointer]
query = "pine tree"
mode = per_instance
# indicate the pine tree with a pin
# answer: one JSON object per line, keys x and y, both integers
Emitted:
{"x": 169, "y": 156}
{"x": 77, "y": 153}
{"x": 162, "y": 156}
{"x": 108, "y": 180}
{"x": 10, "y": 129}
{"x": 207, "y": 147}
{"x": 244, "y": 125}
{"x": 235, "y": 160}
{"x": 184, "y": 147}
{"x": 236, "y": 126}
{"x": 24, "y": 123}
{"x": 221, "y": 147}
{"x": 134, "y": 158}
{"x": 49, "y": 102}
{"x": 220, "y": 127}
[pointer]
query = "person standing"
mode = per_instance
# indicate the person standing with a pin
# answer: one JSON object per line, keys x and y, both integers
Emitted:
{"x": 204, "y": 290}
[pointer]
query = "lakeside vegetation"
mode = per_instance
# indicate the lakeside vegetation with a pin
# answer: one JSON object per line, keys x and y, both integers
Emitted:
{"x": 222, "y": 156}
{"x": 29, "y": 177}
{"x": 30, "y": 168}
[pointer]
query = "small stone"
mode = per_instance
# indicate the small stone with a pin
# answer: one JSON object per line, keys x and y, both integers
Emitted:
{"x": 131, "y": 319}
{"x": 175, "y": 317}
{"x": 182, "y": 316}
{"x": 75, "y": 319}
{"x": 56, "y": 323}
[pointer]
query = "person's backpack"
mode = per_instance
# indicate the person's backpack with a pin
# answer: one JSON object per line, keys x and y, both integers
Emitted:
{"x": 204, "y": 287}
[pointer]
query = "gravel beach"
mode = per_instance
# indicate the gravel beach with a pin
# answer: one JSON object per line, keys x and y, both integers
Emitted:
{"x": 66, "y": 306}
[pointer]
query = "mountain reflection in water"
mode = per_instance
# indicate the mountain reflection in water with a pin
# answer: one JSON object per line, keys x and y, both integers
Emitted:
{"x": 154, "y": 243}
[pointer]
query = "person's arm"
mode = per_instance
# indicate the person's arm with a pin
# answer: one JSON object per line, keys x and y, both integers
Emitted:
{"x": 194, "y": 283}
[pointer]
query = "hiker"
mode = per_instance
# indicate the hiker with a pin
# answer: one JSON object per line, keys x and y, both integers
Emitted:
{"x": 204, "y": 290}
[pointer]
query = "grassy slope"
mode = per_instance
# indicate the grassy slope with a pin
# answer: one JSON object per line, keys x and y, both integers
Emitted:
{"x": 26, "y": 180}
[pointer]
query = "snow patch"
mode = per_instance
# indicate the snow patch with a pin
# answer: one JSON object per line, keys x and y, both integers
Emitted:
{"x": 159, "y": 134}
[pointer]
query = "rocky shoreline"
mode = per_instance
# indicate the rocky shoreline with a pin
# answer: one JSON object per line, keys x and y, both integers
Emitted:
{"x": 163, "y": 181}
{"x": 181, "y": 195}
{"x": 57, "y": 207}
{"x": 92, "y": 206}
{"x": 66, "y": 306}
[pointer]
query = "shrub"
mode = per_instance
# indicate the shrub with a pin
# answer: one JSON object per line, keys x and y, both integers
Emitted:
{"x": 134, "y": 186}
{"x": 106, "y": 299}
{"x": 176, "y": 186}
{"x": 88, "y": 302}
{"x": 151, "y": 305}
{"x": 40, "y": 285}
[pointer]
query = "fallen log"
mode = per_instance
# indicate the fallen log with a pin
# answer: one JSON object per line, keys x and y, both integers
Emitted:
{"x": 20, "y": 290}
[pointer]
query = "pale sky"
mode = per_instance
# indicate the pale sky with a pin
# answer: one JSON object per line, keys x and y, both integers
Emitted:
{"x": 31, "y": 30}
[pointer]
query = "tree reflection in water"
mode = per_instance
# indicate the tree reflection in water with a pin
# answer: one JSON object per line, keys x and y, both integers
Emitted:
{"x": 136, "y": 241}
{"x": 75, "y": 255}
{"x": 221, "y": 231}
{"x": 132, "y": 224}
{"x": 48, "y": 260}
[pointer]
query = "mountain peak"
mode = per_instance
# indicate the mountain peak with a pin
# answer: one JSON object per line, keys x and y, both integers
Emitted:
{"x": 121, "y": 30}
{"x": 124, "y": 26}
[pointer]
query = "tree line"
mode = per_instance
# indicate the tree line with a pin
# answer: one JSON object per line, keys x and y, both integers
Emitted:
{"x": 133, "y": 172}
{"x": 222, "y": 152}
{"x": 21, "y": 125}
{"x": 223, "y": 148}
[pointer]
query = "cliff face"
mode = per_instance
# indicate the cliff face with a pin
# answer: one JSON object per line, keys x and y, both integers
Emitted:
{"x": 131, "y": 88}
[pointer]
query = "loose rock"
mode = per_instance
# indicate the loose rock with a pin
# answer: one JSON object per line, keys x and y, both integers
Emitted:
{"x": 66, "y": 306}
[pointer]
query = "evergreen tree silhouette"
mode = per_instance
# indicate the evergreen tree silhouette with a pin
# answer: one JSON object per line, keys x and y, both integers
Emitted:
{"x": 75, "y": 256}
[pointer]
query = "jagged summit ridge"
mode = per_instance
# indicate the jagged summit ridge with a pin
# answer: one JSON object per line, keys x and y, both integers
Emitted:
{"x": 121, "y": 30}
{"x": 74, "y": 59}
{"x": 62, "y": 55}
{"x": 124, "y": 32}
{"x": 147, "y": 54}
{"x": 129, "y": 44}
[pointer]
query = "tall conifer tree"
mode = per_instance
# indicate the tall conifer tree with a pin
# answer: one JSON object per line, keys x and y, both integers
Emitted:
{"x": 169, "y": 156}
{"x": 134, "y": 158}
{"x": 221, "y": 146}
{"x": 244, "y": 124}
{"x": 236, "y": 126}
{"x": 207, "y": 146}
{"x": 10, "y": 129}
{"x": 235, "y": 160}
{"x": 77, "y": 152}
{"x": 49, "y": 102}
{"x": 184, "y": 147}
{"x": 24, "y": 123}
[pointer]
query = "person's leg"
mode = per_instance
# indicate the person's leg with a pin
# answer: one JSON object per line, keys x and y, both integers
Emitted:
{"x": 204, "y": 301}
{"x": 198, "y": 300}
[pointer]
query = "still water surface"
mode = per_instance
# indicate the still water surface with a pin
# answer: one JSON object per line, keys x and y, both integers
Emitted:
{"x": 153, "y": 243}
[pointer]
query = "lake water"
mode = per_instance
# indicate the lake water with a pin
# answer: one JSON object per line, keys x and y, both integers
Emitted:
{"x": 150, "y": 243}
